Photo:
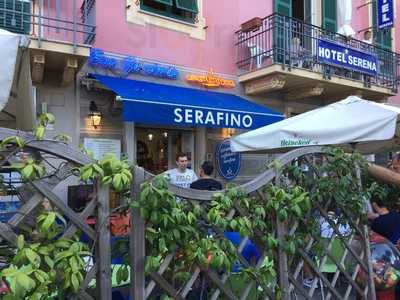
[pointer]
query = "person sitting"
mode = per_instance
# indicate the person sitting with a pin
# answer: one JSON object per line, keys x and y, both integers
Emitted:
{"x": 385, "y": 221}
{"x": 206, "y": 183}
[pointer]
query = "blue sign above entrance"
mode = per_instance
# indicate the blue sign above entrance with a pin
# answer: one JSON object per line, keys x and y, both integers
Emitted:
{"x": 160, "y": 104}
{"x": 384, "y": 13}
{"x": 228, "y": 162}
{"x": 338, "y": 55}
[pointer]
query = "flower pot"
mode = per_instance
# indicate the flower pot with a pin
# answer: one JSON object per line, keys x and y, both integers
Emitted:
{"x": 251, "y": 25}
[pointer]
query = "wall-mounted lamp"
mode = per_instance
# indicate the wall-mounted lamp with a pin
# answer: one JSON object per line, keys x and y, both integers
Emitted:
{"x": 231, "y": 131}
{"x": 165, "y": 134}
{"x": 150, "y": 136}
{"x": 94, "y": 114}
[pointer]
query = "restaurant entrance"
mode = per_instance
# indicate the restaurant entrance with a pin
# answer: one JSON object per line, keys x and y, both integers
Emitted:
{"x": 157, "y": 148}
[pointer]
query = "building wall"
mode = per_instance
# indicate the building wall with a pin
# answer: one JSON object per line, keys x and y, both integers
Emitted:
{"x": 215, "y": 49}
{"x": 396, "y": 45}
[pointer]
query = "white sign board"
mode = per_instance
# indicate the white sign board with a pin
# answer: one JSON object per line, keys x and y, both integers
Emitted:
{"x": 100, "y": 147}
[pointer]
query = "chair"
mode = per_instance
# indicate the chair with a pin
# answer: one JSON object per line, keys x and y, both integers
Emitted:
{"x": 297, "y": 52}
{"x": 257, "y": 54}
{"x": 329, "y": 267}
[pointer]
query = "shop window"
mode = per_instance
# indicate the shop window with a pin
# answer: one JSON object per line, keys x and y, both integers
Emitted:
{"x": 184, "y": 10}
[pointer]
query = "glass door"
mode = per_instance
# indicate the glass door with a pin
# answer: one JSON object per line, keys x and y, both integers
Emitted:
{"x": 157, "y": 148}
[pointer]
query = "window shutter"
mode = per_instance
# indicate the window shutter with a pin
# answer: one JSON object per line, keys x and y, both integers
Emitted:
{"x": 283, "y": 7}
{"x": 382, "y": 38}
{"x": 17, "y": 18}
{"x": 188, "y": 5}
{"x": 329, "y": 15}
{"x": 166, "y": 2}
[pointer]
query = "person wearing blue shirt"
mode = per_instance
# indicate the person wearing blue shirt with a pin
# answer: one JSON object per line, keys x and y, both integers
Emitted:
{"x": 385, "y": 222}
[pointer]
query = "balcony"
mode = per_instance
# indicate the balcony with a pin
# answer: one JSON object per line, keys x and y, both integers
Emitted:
{"x": 60, "y": 31}
{"x": 279, "y": 54}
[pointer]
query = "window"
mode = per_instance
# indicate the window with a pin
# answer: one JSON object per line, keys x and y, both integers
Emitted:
{"x": 382, "y": 38}
{"x": 329, "y": 15}
{"x": 184, "y": 10}
{"x": 15, "y": 15}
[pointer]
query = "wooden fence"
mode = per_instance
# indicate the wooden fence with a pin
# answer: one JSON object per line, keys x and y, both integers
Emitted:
{"x": 290, "y": 270}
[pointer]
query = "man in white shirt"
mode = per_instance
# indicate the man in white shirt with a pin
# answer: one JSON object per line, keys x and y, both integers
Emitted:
{"x": 181, "y": 176}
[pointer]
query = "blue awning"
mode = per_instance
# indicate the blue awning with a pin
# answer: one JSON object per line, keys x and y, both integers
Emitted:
{"x": 152, "y": 103}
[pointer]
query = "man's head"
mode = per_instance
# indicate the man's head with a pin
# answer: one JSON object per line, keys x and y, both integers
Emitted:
{"x": 181, "y": 161}
{"x": 395, "y": 163}
{"x": 378, "y": 204}
{"x": 206, "y": 168}
{"x": 367, "y": 35}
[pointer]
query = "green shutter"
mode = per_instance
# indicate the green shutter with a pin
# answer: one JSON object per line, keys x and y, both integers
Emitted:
{"x": 283, "y": 7}
{"x": 382, "y": 38}
{"x": 166, "y": 2}
{"x": 188, "y": 5}
{"x": 329, "y": 15}
{"x": 17, "y": 18}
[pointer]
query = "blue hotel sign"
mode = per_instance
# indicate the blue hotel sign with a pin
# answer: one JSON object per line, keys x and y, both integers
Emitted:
{"x": 338, "y": 55}
{"x": 384, "y": 13}
{"x": 228, "y": 162}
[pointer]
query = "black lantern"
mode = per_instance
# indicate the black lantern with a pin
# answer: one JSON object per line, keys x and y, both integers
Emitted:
{"x": 94, "y": 114}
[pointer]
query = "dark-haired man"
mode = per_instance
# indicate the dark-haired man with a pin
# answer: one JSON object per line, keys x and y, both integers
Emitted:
{"x": 385, "y": 222}
{"x": 206, "y": 183}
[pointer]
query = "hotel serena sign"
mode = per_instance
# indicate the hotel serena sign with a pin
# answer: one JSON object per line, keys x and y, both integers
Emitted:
{"x": 338, "y": 55}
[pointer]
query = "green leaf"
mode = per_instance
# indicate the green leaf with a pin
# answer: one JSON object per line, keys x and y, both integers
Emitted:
{"x": 75, "y": 282}
{"x": 49, "y": 262}
{"x": 25, "y": 282}
{"x": 9, "y": 272}
{"x": 49, "y": 221}
{"x": 32, "y": 256}
{"x": 20, "y": 242}
{"x": 282, "y": 214}
{"x": 39, "y": 132}
{"x": 74, "y": 264}
{"x": 62, "y": 255}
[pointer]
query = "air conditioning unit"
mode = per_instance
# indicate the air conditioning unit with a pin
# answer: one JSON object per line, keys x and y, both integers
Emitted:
{"x": 15, "y": 16}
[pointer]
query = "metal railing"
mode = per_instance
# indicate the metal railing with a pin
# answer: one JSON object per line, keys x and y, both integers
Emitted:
{"x": 293, "y": 44}
{"x": 59, "y": 20}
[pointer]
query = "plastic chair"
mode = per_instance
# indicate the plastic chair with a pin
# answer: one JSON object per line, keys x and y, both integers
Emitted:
{"x": 329, "y": 267}
{"x": 257, "y": 53}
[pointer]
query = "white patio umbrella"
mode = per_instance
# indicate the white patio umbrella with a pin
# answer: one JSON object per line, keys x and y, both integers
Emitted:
{"x": 366, "y": 126}
{"x": 8, "y": 52}
{"x": 344, "y": 16}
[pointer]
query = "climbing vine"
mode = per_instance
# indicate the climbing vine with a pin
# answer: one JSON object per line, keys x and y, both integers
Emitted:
{"x": 46, "y": 265}
{"x": 194, "y": 231}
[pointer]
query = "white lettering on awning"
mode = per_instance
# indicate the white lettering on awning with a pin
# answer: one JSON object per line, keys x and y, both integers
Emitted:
{"x": 209, "y": 118}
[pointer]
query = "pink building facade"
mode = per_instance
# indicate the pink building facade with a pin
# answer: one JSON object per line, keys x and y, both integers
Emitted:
{"x": 195, "y": 37}
{"x": 81, "y": 60}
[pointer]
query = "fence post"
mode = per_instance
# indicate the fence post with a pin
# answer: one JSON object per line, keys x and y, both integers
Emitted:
{"x": 371, "y": 283}
{"x": 282, "y": 257}
{"x": 103, "y": 249}
{"x": 137, "y": 242}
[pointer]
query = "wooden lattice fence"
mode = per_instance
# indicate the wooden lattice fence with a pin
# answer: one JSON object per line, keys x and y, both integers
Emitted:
{"x": 290, "y": 269}
{"x": 32, "y": 194}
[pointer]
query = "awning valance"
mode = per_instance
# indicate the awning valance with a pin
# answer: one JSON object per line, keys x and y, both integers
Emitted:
{"x": 152, "y": 103}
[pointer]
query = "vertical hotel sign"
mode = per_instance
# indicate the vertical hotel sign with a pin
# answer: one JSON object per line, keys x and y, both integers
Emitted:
{"x": 384, "y": 13}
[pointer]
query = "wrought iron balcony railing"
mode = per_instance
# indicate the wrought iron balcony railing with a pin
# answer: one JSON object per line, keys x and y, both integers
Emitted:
{"x": 57, "y": 20}
{"x": 293, "y": 44}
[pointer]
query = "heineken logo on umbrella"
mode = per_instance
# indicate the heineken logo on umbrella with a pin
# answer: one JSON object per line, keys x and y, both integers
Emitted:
{"x": 295, "y": 141}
